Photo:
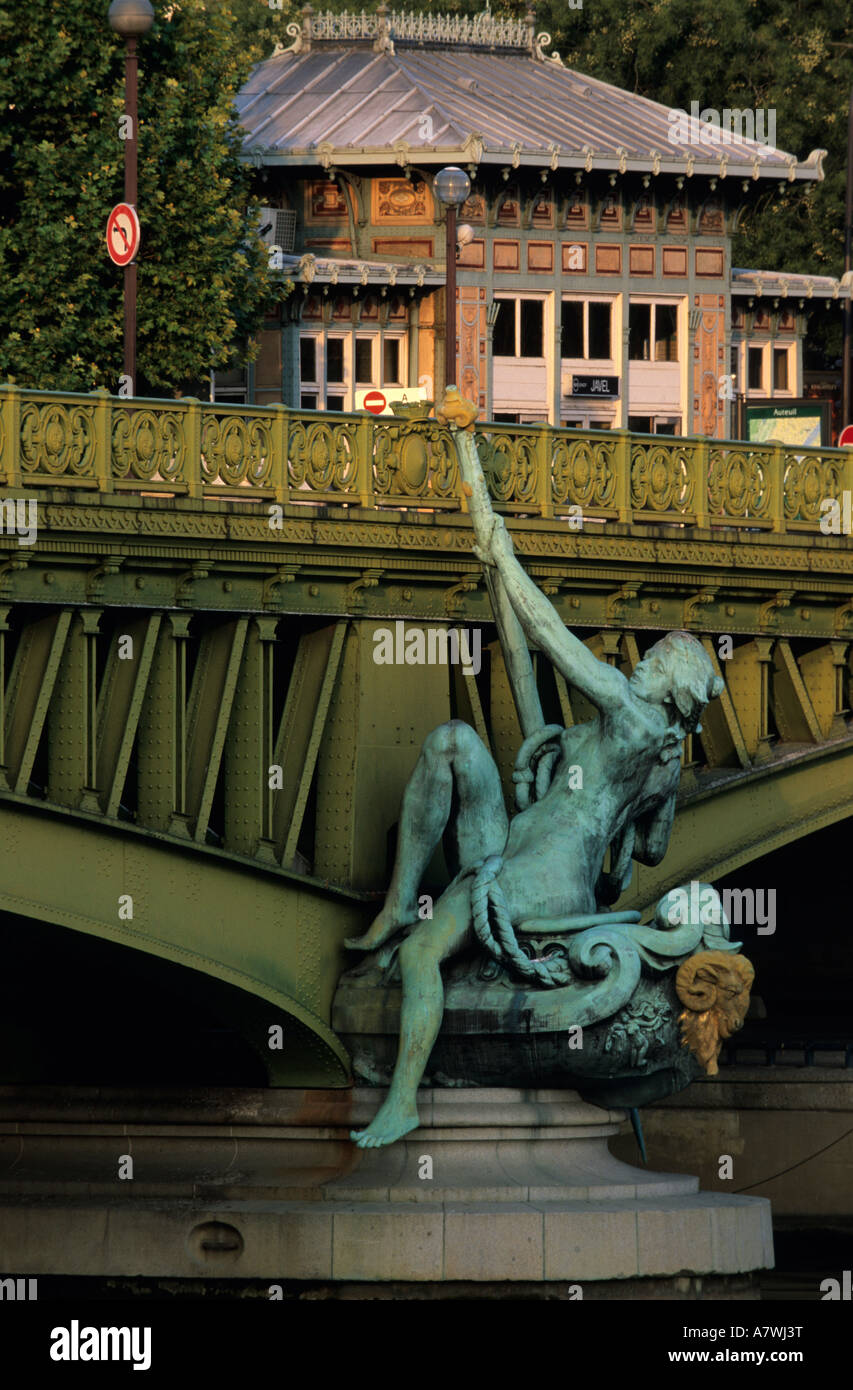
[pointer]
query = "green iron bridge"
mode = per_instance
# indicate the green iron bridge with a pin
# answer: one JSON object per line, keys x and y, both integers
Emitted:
{"x": 200, "y": 758}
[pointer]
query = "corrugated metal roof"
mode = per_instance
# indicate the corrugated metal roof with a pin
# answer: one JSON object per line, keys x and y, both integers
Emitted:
{"x": 350, "y": 104}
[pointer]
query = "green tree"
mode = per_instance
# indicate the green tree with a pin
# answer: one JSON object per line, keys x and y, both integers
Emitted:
{"x": 204, "y": 281}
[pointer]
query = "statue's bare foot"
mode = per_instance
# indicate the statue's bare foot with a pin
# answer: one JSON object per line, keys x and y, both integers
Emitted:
{"x": 391, "y": 1123}
{"x": 385, "y": 925}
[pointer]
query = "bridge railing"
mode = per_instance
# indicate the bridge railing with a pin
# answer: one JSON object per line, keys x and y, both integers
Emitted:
{"x": 192, "y": 448}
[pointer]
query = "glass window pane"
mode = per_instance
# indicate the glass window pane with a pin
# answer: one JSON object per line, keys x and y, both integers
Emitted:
{"x": 503, "y": 343}
{"x": 571, "y": 337}
{"x": 364, "y": 361}
{"x": 599, "y": 331}
{"x": 754, "y": 359}
{"x": 639, "y": 332}
{"x": 780, "y": 369}
{"x": 531, "y": 328}
{"x": 307, "y": 402}
{"x": 640, "y": 424}
{"x": 334, "y": 402}
{"x": 335, "y": 359}
{"x": 390, "y": 361}
{"x": 308, "y": 359}
{"x": 666, "y": 333}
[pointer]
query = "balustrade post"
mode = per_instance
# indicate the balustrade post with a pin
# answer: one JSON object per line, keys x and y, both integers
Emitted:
{"x": 365, "y": 434}
{"x": 777, "y": 488}
{"x": 279, "y": 431}
{"x": 622, "y": 469}
{"x": 103, "y": 439}
{"x": 701, "y": 481}
{"x": 544, "y": 484}
{"x": 192, "y": 441}
{"x": 10, "y": 434}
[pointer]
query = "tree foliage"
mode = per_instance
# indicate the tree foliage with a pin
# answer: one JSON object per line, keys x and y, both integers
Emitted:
{"x": 204, "y": 281}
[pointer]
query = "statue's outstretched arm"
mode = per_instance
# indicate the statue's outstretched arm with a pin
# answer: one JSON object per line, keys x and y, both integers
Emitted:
{"x": 604, "y": 686}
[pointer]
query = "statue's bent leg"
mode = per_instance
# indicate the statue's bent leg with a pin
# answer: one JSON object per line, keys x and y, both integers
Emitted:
{"x": 455, "y": 787}
{"x": 421, "y": 1012}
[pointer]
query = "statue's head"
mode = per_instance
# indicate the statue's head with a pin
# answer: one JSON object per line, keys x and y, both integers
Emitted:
{"x": 677, "y": 671}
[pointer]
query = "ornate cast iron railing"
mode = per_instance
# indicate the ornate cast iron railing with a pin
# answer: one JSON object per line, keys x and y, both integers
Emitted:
{"x": 191, "y": 448}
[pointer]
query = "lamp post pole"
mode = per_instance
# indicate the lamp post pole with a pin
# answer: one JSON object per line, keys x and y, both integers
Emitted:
{"x": 450, "y": 292}
{"x": 452, "y": 187}
{"x": 848, "y": 236}
{"x": 131, "y": 19}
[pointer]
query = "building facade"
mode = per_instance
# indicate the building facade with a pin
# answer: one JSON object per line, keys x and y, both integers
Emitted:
{"x": 594, "y": 279}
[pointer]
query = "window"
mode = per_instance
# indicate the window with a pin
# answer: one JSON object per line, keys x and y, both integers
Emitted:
{"x": 503, "y": 342}
{"x": 308, "y": 359}
{"x": 391, "y": 362}
{"x": 639, "y": 333}
{"x": 598, "y": 334}
{"x": 519, "y": 328}
{"x": 334, "y": 364}
{"x": 364, "y": 362}
{"x": 335, "y": 359}
{"x": 653, "y": 332}
{"x": 231, "y": 387}
{"x": 666, "y": 333}
{"x": 531, "y": 328}
{"x": 755, "y": 369}
{"x": 780, "y": 369}
{"x": 572, "y": 329}
{"x": 654, "y": 424}
{"x": 586, "y": 329}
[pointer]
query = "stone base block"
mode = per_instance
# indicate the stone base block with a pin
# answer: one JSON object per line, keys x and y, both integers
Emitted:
{"x": 495, "y": 1186}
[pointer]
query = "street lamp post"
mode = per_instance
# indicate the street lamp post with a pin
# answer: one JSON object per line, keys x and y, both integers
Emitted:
{"x": 452, "y": 187}
{"x": 131, "y": 19}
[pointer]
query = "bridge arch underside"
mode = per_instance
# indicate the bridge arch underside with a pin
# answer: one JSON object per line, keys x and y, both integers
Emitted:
{"x": 251, "y": 945}
{"x": 740, "y": 816}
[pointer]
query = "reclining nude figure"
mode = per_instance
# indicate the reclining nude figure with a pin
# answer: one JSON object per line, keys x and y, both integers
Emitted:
{"x": 551, "y": 854}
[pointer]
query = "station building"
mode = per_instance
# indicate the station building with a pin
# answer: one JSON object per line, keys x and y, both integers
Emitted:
{"x": 594, "y": 280}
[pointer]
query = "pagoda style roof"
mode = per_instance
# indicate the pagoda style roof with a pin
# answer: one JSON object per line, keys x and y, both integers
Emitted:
{"x": 428, "y": 90}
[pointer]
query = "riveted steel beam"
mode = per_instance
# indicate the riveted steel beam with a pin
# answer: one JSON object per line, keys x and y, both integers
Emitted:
{"x": 129, "y": 662}
{"x": 31, "y": 686}
{"x": 249, "y": 747}
{"x": 161, "y": 747}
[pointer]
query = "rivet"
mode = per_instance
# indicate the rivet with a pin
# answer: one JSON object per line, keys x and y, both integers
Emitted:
{"x": 140, "y": 583}
{"x": 313, "y": 590}
{"x": 227, "y": 586}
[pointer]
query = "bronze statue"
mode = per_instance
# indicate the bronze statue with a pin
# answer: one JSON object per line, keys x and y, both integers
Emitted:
{"x": 607, "y": 784}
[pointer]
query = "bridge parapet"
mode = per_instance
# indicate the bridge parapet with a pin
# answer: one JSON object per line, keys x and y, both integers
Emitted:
{"x": 193, "y": 449}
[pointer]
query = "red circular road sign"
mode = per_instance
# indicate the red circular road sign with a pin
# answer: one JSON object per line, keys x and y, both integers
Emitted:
{"x": 123, "y": 233}
{"x": 846, "y": 436}
{"x": 375, "y": 402}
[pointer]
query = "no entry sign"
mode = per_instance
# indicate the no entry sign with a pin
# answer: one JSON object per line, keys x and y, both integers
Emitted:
{"x": 846, "y": 436}
{"x": 123, "y": 233}
{"x": 375, "y": 402}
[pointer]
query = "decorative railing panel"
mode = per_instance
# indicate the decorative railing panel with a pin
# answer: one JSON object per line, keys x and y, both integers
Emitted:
{"x": 195, "y": 448}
